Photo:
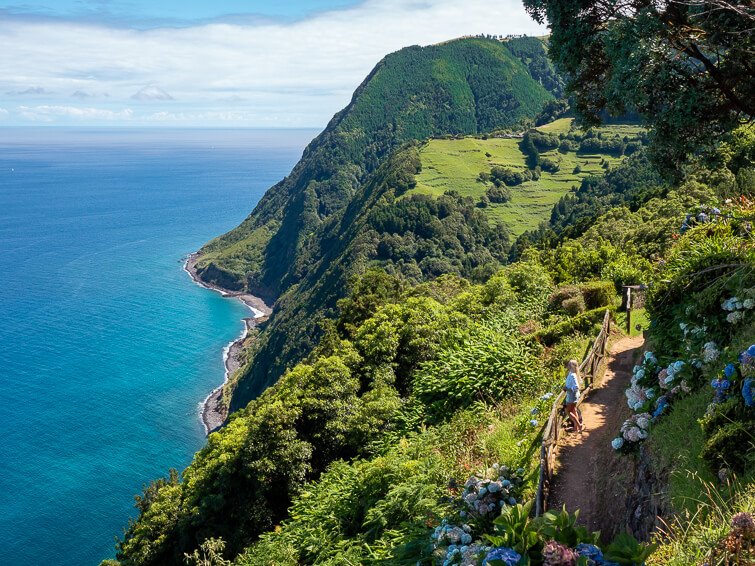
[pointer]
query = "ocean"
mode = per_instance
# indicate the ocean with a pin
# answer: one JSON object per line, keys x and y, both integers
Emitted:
{"x": 107, "y": 348}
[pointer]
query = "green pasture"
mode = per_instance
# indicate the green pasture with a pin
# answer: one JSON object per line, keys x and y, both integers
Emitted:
{"x": 454, "y": 164}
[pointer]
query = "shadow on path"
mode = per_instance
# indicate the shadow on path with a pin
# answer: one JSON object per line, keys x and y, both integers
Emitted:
{"x": 590, "y": 476}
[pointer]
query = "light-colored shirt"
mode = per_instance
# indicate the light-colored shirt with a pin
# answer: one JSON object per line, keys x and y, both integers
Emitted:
{"x": 572, "y": 386}
{"x": 572, "y": 382}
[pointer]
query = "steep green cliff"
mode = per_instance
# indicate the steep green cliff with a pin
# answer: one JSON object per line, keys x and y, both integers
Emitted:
{"x": 459, "y": 87}
{"x": 312, "y": 230}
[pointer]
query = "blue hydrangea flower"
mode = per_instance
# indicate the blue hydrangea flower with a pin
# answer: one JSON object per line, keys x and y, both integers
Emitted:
{"x": 747, "y": 391}
{"x": 593, "y": 554}
{"x": 751, "y": 351}
{"x": 508, "y": 556}
{"x": 534, "y": 422}
{"x": 730, "y": 370}
{"x": 617, "y": 443}
{"x": 660, "y": 405}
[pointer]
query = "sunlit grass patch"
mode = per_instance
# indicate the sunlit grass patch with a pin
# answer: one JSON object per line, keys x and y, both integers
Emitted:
{"x": 455, "y": 164}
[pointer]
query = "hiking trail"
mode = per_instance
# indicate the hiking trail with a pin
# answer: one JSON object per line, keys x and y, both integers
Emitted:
{"x": 590, "y": 476}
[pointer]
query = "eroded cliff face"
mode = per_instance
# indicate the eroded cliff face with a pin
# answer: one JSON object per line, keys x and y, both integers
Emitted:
{"x": 646, "y": 500}
{"x": 214, "y": 275}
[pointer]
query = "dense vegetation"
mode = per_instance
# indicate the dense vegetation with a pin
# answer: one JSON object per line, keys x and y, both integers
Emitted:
{"x": 373, "y": 383}
{"x": 685, "y": 66}
{"x": 460, "y": 87}
{"x": 417, "y": 238}
{"x": 407, "y": 429}
{"x": 414, "y": 385}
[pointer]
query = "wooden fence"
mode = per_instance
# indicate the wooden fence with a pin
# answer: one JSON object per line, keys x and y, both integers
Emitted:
{"x": 588, "y": 369}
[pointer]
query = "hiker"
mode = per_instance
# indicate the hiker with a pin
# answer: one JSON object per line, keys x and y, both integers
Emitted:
{"x": 572, "y": 388}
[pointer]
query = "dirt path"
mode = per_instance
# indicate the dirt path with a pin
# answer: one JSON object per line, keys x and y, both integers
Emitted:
{"x": 590, "y": 476}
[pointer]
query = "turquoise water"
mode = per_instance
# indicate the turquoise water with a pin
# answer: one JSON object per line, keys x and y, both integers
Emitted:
{"x": 106, "y": 346}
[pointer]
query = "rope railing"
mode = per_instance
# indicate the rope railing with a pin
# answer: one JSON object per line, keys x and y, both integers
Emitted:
{"x": 588, "y": 369}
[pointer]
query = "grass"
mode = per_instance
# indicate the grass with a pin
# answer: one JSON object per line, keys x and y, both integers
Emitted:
{"x": 240, "y": 256}
{"x": 560, "y": 126}
{"x": 689, "y": 538}
{"x": 639, "y": 318}
{"x": 675, "y": 444}
{"x": 456, "y": 164}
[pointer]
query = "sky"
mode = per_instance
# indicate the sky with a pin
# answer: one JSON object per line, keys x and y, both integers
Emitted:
{"x": 220, "y": 63}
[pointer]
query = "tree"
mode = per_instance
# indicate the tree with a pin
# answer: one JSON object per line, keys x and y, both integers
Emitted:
{"x": 685, "y": 65}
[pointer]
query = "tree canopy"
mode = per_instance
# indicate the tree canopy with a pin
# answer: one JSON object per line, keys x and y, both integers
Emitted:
{"x": 685, "y": 65}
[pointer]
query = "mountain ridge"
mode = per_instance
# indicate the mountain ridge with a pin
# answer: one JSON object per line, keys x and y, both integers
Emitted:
{"x": 462, "y": 87}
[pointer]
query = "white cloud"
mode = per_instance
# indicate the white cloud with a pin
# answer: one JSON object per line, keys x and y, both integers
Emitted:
{"x": 296, "y": 74}
{"x": 83, "y": 95}
{"x": 4, "y": 114}
{"x": 151, "y": 92}
{"x": 50, "y": 113}
{"x": 30, "y": 90}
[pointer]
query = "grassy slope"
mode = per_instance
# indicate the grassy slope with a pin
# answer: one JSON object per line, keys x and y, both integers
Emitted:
{"x": 455, "y": 165}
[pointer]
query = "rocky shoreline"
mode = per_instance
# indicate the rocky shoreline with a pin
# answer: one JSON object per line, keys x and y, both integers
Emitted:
{"x": 214, "y": 412}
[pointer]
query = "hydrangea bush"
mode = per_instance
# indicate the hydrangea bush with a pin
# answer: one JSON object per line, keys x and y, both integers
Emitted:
{"x": 735, "y": 379}
{"x": 515, "y": 539}
{"x": 452, "y": 544}
{"x": 737, "y": 308}
{"x": 484, "y": 497}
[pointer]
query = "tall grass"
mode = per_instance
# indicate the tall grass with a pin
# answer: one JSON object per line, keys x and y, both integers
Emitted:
{"x": 690, "y": 537}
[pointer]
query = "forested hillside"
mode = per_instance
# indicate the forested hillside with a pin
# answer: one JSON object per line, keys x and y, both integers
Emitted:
{"x": 362, "y": 452}
{"x": 289, "y": 247}
{"x": 459, "y": 87}
{"x": 419, "y": 350}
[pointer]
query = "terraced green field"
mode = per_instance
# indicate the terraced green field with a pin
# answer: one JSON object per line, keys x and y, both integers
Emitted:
{"x": 456, "y": 164}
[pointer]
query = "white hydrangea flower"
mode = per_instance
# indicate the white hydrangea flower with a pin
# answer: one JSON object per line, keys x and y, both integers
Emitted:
{"x": 734, "y": 317}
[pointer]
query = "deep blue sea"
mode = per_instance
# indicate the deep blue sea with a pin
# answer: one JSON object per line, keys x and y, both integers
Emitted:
{"x": 107, "y": 348}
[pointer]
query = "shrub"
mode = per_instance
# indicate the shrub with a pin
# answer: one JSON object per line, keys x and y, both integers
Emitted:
{"x": 498, "y": 194}
{"x": 586, "y": 322}
{"x": 574, "y": 306}
{"x": 728, "y": 447}
{"x": 598, "y": 294}
{"x": 490, "y": 365}
{"x": 563, "y": 293}
{"x": 729, "y": 437}
{"x": 549, "y": 165}
{"x": 506, "y": 176}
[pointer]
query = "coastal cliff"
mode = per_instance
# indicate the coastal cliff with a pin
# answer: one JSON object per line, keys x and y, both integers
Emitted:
{"x": 460, "y": 87}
